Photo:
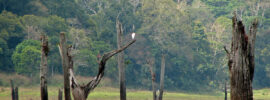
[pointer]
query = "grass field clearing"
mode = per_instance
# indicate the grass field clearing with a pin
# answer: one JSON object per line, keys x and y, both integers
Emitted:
{"x": 107, "y": 93}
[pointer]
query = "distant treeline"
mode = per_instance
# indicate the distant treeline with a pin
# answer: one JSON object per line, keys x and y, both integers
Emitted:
{"x": 191, "y": 33}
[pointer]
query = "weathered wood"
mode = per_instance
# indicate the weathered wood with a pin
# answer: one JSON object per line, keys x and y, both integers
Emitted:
{"x": 80, "y": 92}
{"x": 16, "y": 93}
{"x": 241, "y": 60}
{"x": 151, "y": 63}
{"x": 44, "y": 68}
{"x": 121, "y": 68}
{"x": 60, "y": 93}
{"x": 225, "y": 90}
{"x": 63, "y": 49}
{"x": 162, "y": 77}
{"x": 12, "y": 90}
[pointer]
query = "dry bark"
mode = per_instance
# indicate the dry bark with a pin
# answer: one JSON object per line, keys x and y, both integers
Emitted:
{"x": 162, "y": 77}
{"x": 60, "y": 94}
{"x": 63, "y": 49}
{"x": 241, "y": 60}
{"x": 151, "y": 63}
{"x": 225, "y": 90}
{"x": 16, "y": 95}
{"x": 14, "y": 91}
{"x": 80, "y": 92}
{"x": 43, "y": 68}
{"x": 121, "y": 68}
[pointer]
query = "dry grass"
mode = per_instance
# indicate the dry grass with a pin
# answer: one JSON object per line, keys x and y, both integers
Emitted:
{"x": 18, "y": 79}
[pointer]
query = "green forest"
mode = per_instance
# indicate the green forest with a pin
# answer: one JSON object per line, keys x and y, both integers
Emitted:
{"x": 191, "y": 33}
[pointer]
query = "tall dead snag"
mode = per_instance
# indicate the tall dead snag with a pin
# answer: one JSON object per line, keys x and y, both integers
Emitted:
{"x": 16, "y": 95}
{"x": 120, "y": 60}
{"x": 225, "y": 90}
{"x": 60, "y": 94}
{"x": 162, "y": 77}
{"x": 151, "y": 63}
{"x": 44, "y": 68}
{"x": 63, "y": 49}
{"x": 14, "y": 91}
{"x": 241, "y": 60}
{"x": 80, "y": 92}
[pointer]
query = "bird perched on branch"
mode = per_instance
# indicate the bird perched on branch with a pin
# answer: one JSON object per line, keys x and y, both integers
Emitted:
{"x": 133, "y": 35}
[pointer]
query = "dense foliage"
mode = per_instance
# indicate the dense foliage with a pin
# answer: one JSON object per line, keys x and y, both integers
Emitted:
{"x": 191, "y": 33}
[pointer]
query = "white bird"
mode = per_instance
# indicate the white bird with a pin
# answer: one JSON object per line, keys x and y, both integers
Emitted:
{"x": 133, "y": 35}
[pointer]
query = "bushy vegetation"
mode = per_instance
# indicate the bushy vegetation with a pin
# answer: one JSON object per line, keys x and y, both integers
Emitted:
{"x": 191, "y": 33}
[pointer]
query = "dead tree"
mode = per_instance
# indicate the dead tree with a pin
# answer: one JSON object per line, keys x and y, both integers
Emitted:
{"x": 60, "y": 94}
{"x": 153, "y": 75}
{"x": 44, "y": 68}
{"x": 241, "y": 60}
{"x": 162, "y": 77}
{"x": 80, "y": 92}
{"x": 14, "y": 91}
{"x": 63, "y": 48}
{"x": 120, "y": 60}
{"x": 225, "y": 90}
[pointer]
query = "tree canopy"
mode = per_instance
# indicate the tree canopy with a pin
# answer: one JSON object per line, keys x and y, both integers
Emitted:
{"x": 191, "y": 32}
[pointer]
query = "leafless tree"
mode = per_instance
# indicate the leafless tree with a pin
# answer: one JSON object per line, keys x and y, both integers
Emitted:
{"x": 153, "y": 75}
{"x": 150, "y": 64}
{"x": 14, "y": 91}
{"x": 241, "y": 60}
{"x": 60, "y": 94}
{"x": 225, "y": 90}
{"x": 120, "y": 60}
{"x": 162, "y": 77}
{"x": 44, "y": 68}
{"x": 80, "y": 92}
{"x": 63, "y": 49}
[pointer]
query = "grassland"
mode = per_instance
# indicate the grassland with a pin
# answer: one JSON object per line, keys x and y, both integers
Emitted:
{"x": 107, "y": 93}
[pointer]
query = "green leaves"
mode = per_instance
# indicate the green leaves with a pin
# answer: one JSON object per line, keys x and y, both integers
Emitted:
{"x": 191, "y": 32}
{"x": 26, "y": 57}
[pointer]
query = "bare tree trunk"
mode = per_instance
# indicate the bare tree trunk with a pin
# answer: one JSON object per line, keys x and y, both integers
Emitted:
{"x": 80, "y": 92}
{"x": 12, "y": 90}
{"x": 16, "y": 94}
{"x": 151, "y": 63}
{"x": 60, "y": 94}
{"x": 121, "y": 67}
{"x": 225, "y": 90}
{"x": 241, "y": 60}
{"x": 162, "y": 77}
{"x": 65, "y": 64}
{"x": 44, "y": 68}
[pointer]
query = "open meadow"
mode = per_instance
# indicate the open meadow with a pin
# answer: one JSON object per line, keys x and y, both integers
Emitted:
{"x": 107, "y": 93}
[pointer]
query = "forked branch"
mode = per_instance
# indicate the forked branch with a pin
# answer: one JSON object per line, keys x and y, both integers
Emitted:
{"x": 86, "y": 89}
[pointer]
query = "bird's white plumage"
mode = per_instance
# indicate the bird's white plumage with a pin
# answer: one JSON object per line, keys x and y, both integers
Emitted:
{"x": 133, "y": 35}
